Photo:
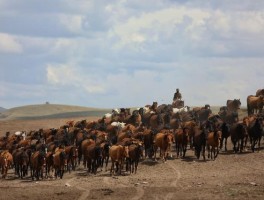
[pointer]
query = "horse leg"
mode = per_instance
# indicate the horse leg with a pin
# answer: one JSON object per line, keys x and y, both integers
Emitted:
{"x": 177, "y": 149}
{"x": 221, "y": 142}
{"x": 208, "y": 150}
{"x": 226, "y": 144}
{"x": 259, "y": 143}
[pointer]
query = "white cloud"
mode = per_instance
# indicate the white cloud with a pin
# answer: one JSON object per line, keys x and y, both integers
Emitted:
{"x": 9, "y": 44}
{"x": 156, "y": 22}
{"x": 71, "y": 75}
{"x": 73, "y": 23}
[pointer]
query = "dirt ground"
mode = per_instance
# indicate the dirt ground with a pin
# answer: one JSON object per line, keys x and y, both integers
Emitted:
{"x": 230, "y": 176}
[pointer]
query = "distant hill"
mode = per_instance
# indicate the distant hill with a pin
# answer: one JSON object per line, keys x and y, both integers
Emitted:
{"x": 47, "y": 111}
{"x": 2, "y": 109}
{"x": 51, "y": 111}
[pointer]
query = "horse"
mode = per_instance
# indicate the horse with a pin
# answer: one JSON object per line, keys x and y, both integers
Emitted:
{"x": 117, "y": 154}
{"x": 59, "y": 162}
{"x": 202, "y": 115}
{"x": 49, "y": 163}
{"x": 21, "y": 162}
{"x": 181, "y": 141}
{"x": 6, "y": 161}
{"x": 93, "y": 156}
{"x": 255, "y": 131}
{"x": 199, "y": 141}
{"x": 82, "y": 150}
{"x": 238, "y": 134}
{"x": 156, "y": 122}
{"x": 259, "y": 92}
{"x": 148, "y": 141}
{"x": 164, "y": 142}
{"x": 134, "y": 151}
{"x": 213, "y": 142}
{"x": 190, "y": 125}
{"x": 164, "y": 108}
{"x": 229, "y": 117}
{"x": 233, "y": 105}
{"x": 72, "y": 156}
{"x": 152, "y": 107}
{"x": 255, "y": 104}
{"x": 105, "y": 146}
{"x": 178, "y": 103}
{"x": 134, "y": 119}
{"x": 37, "y": 164}
{"x": 225, "y": 128}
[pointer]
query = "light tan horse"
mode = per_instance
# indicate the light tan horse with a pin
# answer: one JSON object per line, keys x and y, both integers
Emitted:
{"x": 255, "y": 104}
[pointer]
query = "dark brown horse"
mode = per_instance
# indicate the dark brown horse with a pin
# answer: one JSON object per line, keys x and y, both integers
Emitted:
{"x": 199, "y": 141}
{"x": 21, "y": 162}
{"x": 259, "y": 92}
{"x": 134, "y": 119}
{"x": 181, "y": 141}
{"x": 156, "y": 122}
{"x": 225, "y": 128}
{"x": 233, "y": 105}
{"x": 238, "y": 134}
{"x": 93, "y": 157}
{"x": 255, "y": 131}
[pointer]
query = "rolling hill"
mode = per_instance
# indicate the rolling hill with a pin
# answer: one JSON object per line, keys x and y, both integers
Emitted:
{"x": 43, "y": 111}
{"x": 49, "y": 111}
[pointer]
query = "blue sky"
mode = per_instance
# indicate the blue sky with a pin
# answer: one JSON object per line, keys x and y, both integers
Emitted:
{"x": 124, "y": 53}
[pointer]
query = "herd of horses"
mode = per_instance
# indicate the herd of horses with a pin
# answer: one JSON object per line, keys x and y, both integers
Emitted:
{"x": 126, "y": 137}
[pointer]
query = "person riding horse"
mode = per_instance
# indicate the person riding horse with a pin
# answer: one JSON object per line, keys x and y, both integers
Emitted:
{"x": 177, "y": 95}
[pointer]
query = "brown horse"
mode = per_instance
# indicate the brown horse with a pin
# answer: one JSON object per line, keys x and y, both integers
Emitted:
{"x": 6, "y": 161}
{"x": 259, "y": 92}
{"x": 152, "y": 107}
{"x": 156, "y": 122}
{"x": 49, "y": 163}
{"x": 255, "y": 104}
{"x": 164, "y": 142}
{"x": 118, "y": 153}
{"x": 70, "y": 123}
{"x": 59, "y": 162}
{"x": 213, "y": 143}
{"x": 37, "y": 164}
{"x": 181, "y": 141}
{"x": 135, "y": 151}
{"x": 72, "y": 156}
{"x": 134, "y": 119}
{"x": 82, "y": 150}
{"x": 21, "y": 162}
{"x": 233, "y": 105}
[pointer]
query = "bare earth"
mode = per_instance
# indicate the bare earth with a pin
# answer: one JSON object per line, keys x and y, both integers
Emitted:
{"x": 230, "y": 176}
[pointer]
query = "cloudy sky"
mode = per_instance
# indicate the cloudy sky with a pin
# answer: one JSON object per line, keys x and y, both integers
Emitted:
{"x": 124, "y": 53}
